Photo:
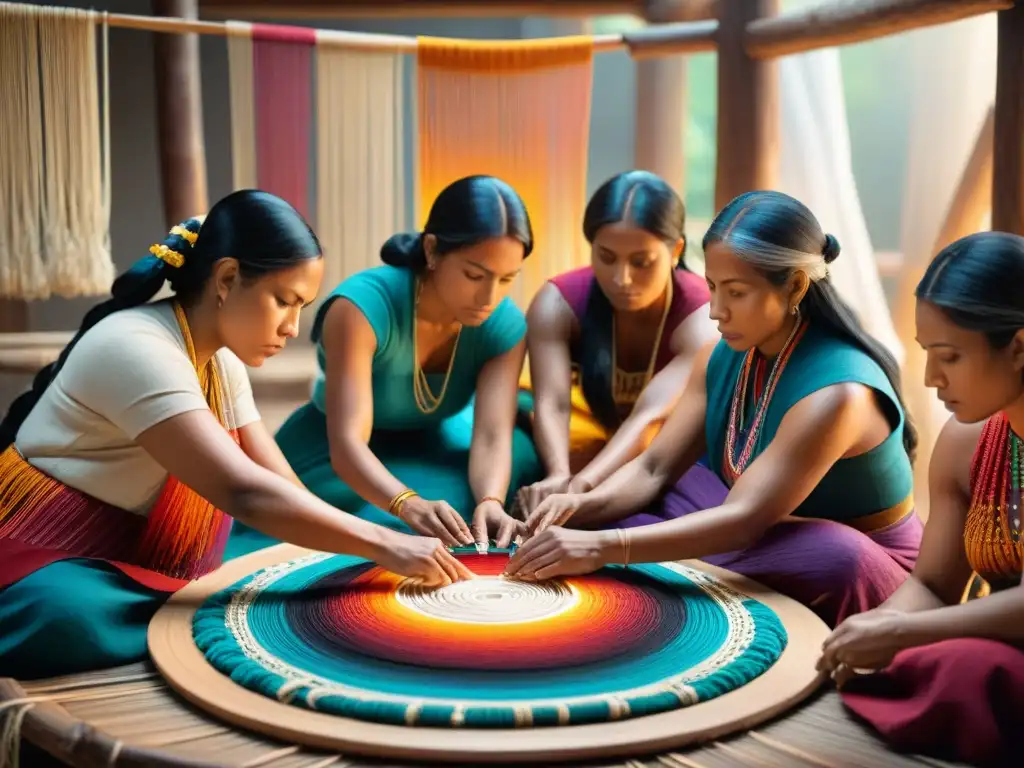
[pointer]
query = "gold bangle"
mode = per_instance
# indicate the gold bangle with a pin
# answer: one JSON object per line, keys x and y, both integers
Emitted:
{"x": 624, "y": 541}
{"x": 395, "y": 508}
{"x": 492, "y": 498}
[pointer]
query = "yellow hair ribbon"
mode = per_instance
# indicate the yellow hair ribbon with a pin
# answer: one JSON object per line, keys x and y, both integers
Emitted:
{"x": 168, "y": 256}
{"x": 180, "y": 231}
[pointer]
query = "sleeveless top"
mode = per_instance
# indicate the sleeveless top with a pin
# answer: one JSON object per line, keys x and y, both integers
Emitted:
{"x": 856, "y": 487}
{"x": 386, "y": 297}
{"x": 690, "y": 293}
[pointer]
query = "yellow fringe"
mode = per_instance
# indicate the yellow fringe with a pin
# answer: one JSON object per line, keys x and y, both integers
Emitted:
{"x": 503, "y": 56}
{"x": 22, "y": 486}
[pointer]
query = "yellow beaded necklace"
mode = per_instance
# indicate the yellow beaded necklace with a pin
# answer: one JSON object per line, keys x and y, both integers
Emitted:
{"x": 626, "y": 385}
{"x": 426, "y": 400}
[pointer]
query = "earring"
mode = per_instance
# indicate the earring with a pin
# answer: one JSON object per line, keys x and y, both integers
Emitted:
{"x": 220, "y": 301}
{"x": 430, "y": 266}
{"x": 796, "y": 309}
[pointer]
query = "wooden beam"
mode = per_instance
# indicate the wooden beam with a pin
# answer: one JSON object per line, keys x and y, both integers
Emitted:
{"x": 180, "y": 117}
{"x": 660, "y": 135}
{"x": 391, "y": 9}
{"x": 1008, "y": 142}
{"x": 748, "y": 106}
{"x": 840, "y": 22}
{"x": 973, "y": 196}
{"x": 668, "y": 11}
{"x": 671, "y": 39}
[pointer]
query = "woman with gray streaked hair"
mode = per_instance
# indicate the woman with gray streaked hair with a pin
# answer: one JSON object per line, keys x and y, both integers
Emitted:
{"x": 801, "y": 416}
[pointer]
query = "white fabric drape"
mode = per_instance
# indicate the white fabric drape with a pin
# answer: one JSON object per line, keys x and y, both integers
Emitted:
{"x": 815, "y": 167}
{"x": 361, "y": 181}
{"x": 954, "y": 68}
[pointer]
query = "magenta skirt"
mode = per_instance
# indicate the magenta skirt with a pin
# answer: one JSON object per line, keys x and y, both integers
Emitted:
{"x": 959, "y": 700}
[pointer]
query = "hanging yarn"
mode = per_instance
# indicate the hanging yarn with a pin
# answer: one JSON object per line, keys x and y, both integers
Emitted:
{"x": 55, "y": 171}
{"x": 518, "y": 110}
{"x": 360, "y": 160}
{"x": 243, "y": 108}
{"x": 283, "y": 95}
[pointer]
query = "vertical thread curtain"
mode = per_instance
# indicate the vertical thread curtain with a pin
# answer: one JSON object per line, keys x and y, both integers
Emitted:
{"x": 360, "y": 160}
{"x": 520, "y": 111}
{"x": 55, "y": 169}
{"x": 282, "y": 67}
{"x": 243, "y": 109}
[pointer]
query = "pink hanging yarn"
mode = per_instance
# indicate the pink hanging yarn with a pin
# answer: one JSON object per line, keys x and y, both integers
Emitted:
{"x": 283, "y": 85}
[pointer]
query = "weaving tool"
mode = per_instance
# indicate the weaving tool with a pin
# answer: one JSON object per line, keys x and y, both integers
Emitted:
{"x": 332, "y": 651}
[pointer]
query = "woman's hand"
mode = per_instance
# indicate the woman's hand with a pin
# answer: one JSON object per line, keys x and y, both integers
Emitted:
{"x": 556, "y": 509}
{"x": 491, "y": 521}
{"x": 561, "y": 552}
{"x": 437, "y": 519}
{"x": 530, "y": 496}
{"x": 866, "y": 641}
{"x": 422, "y": 558}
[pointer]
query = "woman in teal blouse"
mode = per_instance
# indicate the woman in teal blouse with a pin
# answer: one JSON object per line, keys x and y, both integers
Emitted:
{"x": 801, "y": 416}
{"x": 404, "y": 348}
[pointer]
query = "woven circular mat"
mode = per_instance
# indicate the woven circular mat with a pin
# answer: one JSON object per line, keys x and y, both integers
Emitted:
{"x": 332, "y": 652}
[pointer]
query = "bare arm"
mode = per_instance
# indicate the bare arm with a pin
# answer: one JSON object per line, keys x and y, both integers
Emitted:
{"x": 654, "y": 404}
{"x": 677, "y": 446}
{"x": 196, "y": 449}
{"x": 549, "y": 323}
{"x": 261, "y": 447}
{"x": 494, "y": 415}
{"x": 349, "y": 344}
{"x": 815, "y": 433}
{"x": 942, "y": 570}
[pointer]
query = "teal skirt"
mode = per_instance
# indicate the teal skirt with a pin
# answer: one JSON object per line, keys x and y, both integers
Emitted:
{"x": 80, "y": 615}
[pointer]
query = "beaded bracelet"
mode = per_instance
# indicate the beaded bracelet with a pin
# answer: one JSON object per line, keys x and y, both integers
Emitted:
{"x": 395, "y": 508}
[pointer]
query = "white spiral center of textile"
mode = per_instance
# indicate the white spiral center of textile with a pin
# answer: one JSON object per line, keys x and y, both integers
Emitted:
{"x": 489, "y": 600}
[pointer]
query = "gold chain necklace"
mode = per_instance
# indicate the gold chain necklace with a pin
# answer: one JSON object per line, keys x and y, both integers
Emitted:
{"x": 619, "y": 379}
{"x": 426, "y": 400}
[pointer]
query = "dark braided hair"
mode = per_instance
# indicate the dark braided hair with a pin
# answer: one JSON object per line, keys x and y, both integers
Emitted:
{"x": 262, "y": 231}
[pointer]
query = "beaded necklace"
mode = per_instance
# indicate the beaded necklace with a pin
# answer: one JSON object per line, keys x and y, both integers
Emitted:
{"x": 426, "y": 400}
{"x": 992, "y": 534}
{"x": 741, "y": 437}
{"x": 627, "y": 385}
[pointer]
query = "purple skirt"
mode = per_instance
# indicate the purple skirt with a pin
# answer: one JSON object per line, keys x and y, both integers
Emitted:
{"x": 832, "y": 568}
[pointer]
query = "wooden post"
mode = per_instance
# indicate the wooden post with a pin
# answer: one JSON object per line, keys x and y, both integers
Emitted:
{"x": 180, "y": 116}
{"x": 748, "y": 111}
{"x": 1008, "y": 141}
{"x": 661, "y": 118}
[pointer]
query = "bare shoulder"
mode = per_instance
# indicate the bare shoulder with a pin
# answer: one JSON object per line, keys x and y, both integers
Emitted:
{"x": 345, "y": 323}
{"x": 954, "y": 450}
{"x": 550, "y": 314}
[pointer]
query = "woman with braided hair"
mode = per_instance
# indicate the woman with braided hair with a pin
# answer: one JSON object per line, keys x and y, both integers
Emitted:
{"x": 800, "y": 415}
{"x": 951, "y": 679}
{"x": 124, "y": 465}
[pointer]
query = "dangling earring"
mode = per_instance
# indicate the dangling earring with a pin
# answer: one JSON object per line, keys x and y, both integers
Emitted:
{"x": 795, "y": 310}
{"x": 220, "y": 301}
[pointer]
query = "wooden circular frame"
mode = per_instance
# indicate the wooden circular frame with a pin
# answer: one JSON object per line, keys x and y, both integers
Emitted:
{"x": 791, "y": 679}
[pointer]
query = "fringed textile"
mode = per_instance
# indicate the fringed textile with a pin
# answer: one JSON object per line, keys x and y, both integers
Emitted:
{"x": 282, "y": 67}
{"x": 518, "y": 110}
{"x": 994, "y": 549}
{"x": 42, "y": 520}
{"x": 55, "y": 169}
{"x": 243, "y": 109}
{"x": 360, "y": 159}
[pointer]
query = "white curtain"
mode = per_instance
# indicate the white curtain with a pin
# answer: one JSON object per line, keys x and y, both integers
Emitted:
{"x": 953, "y": 78}
{"x": 815, "y": 167}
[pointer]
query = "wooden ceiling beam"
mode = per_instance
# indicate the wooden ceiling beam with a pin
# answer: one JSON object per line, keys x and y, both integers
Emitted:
{"x": 390, "y": 9}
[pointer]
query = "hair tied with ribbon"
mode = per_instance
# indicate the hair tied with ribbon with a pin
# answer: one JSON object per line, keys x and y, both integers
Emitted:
{"x": 170, "y": 256}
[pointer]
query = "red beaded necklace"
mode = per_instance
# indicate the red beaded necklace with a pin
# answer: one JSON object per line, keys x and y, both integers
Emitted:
{"x": 763, "y": 390}
{"x": 992, "y": 534}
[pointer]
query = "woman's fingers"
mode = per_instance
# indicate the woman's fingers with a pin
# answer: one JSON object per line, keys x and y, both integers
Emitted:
{"x": 543, "y": 566}
{"x": 454, "y": 523}
{"x": 452, "y": 565}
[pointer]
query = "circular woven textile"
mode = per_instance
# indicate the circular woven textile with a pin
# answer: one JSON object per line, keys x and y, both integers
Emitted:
{"x": 341, "y": 636}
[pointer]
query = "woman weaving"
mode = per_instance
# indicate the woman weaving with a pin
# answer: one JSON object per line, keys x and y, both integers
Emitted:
{"x": 953, "y": 677}
{"x": 99, "y": 522}
{"x": 403, "y": 348}
{"x": 800, "y": 413}
{"x": 630, "y": 324}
